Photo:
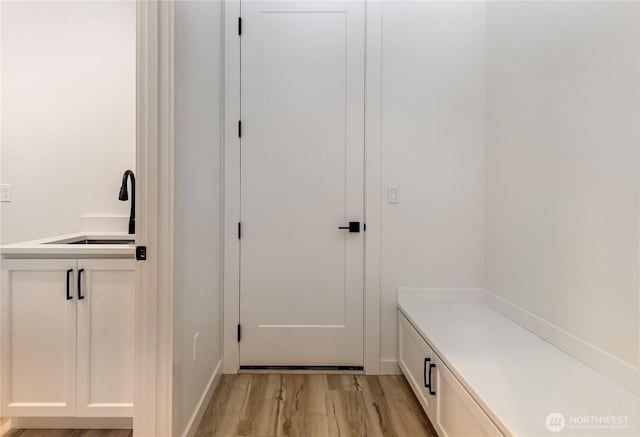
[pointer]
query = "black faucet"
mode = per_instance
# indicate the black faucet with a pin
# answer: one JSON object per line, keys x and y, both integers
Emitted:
{"x": 124, "y": 196}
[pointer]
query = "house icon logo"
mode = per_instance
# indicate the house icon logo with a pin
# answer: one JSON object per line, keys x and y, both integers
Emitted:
{"x": 555, "y": 422}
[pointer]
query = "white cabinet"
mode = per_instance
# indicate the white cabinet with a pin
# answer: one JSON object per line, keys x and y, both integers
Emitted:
{"x": 38, "y": 339}
{"x": 451, "y": 409}
{"x": 416, "y": 361}
{"x": 67, "y": 337}
{"x": 105, "y": 338}
{"x": 456, "y": 413}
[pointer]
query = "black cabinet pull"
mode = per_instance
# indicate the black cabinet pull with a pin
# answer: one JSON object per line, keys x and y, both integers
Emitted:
{"x": 427, "y": 384}
{"x": 69, "y": 297}
{"x": 80, "y": 296}
{"x": 432, "y": 392}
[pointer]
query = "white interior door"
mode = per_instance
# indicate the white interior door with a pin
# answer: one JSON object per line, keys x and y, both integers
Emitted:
{"x": 302, "y": 176}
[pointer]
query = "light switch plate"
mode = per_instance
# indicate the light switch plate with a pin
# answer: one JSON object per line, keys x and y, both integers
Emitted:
{"x": 5, "y": 193}
{"x": 393, "y": 194}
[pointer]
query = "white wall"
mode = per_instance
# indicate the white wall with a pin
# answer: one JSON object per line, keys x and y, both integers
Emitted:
{"x": 198, "y": 196}
{"x": 68, "y": 113}
{"x": 561, "y": 196}
{"x": 433, "y": 121}
{"x": 562, "y": 166}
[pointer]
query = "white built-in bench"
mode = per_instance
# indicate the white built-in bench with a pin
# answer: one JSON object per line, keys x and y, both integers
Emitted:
{"x": 478, "y": 373}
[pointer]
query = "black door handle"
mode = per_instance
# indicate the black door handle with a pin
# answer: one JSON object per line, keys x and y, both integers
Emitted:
{"x": 80, "y": 296}
{"x": 353, "y": 227}
{"x": 432, "y": 392}
{"x": 69, "y": 297}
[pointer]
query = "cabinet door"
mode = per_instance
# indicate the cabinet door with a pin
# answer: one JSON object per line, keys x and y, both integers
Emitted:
{"x": 106, "y": 338}
{"x": 415, "y": 358}
{"x": 38, "y": 338}
{"x": 456, "y": 413}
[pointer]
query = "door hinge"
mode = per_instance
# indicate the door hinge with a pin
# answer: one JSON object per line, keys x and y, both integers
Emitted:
{"x": 239, "y": 230}
{"x": 239, "y": 25}
{"x": 141, "y": 253}
{"x": 239, "y": 332}
{"x": 239, "y": 129}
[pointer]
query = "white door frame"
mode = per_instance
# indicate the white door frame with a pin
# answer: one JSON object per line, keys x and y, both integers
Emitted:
{"x": 373, "y": 33}
{"x": 154, "y": 277}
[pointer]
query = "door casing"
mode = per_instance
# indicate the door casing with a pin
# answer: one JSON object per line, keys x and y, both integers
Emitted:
{"x": 372, "y": 189}
{"x": 155, "y": 210}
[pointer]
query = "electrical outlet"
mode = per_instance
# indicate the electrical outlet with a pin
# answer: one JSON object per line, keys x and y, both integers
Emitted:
{"x": 393, "y": 194}
{"x": 5, "y": 193}
{"x": 196, "y": 346}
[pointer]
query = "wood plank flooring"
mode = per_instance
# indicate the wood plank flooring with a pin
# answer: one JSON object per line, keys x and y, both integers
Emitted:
{"x": 315, "y": 406}
{"x": 70, "y": 433}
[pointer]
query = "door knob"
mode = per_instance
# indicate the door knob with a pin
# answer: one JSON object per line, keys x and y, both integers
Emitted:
{"x": 353, "y": 227}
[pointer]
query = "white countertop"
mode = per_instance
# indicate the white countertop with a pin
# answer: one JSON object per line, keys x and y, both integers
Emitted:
{"x": 517, "y": 377}
{"x": 45, "y": 248}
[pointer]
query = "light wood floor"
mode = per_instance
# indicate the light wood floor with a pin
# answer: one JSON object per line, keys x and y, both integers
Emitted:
{"x": 70, "y": 433}
{"x": 314, "y": 405}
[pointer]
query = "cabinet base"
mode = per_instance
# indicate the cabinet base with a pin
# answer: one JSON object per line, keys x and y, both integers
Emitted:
{"x": 71, "y": 422}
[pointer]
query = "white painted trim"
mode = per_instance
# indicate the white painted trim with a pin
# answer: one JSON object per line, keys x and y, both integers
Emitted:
{"x": 71, "y": 422}
{"x": 164, "y": 393}
{"x": 603, "y": 362}
{"x": 5, "y": 426}
{"x": 231, "y": 290}
{"x": 196, "y": 417}
{"x": 373, "y": 80}
{"x": 3, "y": 421}
{"x": 154, "y": 284}
{"x": 389, "y": 366}
{"x": 638, "y": 182}
{"x": 372, "y": 185}
{"x": 146, "y": 114}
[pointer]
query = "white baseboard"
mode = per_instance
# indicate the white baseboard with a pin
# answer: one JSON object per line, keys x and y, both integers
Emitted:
{"x": 5, "y": 426}
{"x": 71, "y": 422}
{"x": 603, "y": 362}
{"x": 389, "y": 367}
{"x": 196, "y": 417}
